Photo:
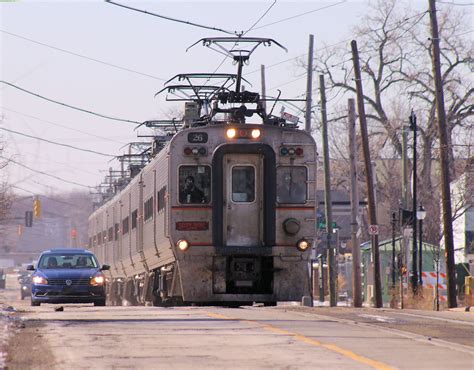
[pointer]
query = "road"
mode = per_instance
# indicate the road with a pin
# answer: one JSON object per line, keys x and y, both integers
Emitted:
{"x": 282, "y": 337}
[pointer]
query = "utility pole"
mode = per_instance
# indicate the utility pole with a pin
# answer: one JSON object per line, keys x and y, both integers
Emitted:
{"x": 369, "y": 176}
{"x": 404, "y": 169}
{"x": 264, "y": 93}
{"x": 414, "y": 277}
{"x": 443, "y": 143}
{"x": 356, "y": 273}
{"x": 309, "y": 85}
{"x": 327, "y": 197}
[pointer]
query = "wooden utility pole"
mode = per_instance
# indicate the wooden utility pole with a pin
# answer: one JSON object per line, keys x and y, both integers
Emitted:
{"x": 443, "y": 144}
{"x": 404, "y": 169}
{"x": 369, "y": 176}
{"x": 356, "y": 273}
{"x": 264, "y": 93}
{"x": 309, "y": 85}
{"x": 327, "y": 197}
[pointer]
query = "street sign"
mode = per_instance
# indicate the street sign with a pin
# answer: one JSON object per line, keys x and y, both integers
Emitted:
{"x": 322, "y": 225}
{"x": 373, "y": 229}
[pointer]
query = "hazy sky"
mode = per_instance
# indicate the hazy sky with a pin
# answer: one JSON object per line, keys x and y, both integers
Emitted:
{"x": 147, "y": 50}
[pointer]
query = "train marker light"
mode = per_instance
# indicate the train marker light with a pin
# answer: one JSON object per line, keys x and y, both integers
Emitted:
{"x": 302, "y": 245}
{"x": 182, "y": 244}
{"x": 291, "y": 151}
{"x": 284, "y": 151}
{"x": 188, "y": 151}
{"x": 202, "y": 151}
{"x": 256, "y": 133}
{"x": 299, "y": 151}
{"x": 231, "y": 133}
{"x": 195, "y": 151}
{"x": 291, "y": 226}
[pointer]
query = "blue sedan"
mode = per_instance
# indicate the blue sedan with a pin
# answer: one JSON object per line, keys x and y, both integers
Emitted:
{"x": 68, "y": 276}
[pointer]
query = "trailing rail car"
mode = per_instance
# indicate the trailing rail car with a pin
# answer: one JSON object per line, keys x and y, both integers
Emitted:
{"x": 223, "y": 214}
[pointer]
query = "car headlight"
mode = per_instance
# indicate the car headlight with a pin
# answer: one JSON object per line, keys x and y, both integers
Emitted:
{"x": 97, "y": 280}
{"x": 40, "y": 280}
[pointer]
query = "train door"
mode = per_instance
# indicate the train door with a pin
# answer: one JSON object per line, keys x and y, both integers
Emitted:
{"x": 242, "y": 190}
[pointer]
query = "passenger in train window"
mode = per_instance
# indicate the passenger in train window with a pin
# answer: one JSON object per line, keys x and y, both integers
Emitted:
{"x": 191, "y": 193}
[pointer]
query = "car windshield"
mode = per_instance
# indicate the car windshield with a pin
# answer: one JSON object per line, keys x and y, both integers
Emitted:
{"x": 67, "y": 261}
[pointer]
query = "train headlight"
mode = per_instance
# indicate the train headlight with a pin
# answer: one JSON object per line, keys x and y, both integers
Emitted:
{"x": 302, "y": 245}
{"x": 256, "y": 133}
{"x": 231, "y": 132}
{"x": 182, "y": 245}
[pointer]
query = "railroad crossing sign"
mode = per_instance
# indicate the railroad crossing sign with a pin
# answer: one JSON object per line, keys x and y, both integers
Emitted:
{"x": 373, "y": 229}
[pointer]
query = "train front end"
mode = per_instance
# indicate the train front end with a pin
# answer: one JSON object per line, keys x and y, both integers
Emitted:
{"x": 242, "y": 215}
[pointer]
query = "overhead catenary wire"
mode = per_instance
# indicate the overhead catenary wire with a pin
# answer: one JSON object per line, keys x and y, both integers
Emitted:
{"x": 259, "y": 19}
{"x": 82, "y": 56}
{"x": 55, "y": 143}
{"x": 300, "y": 15}
{"x": 69, "y": 106}
{"x": 173, "y": 19}
{"x": 45, "y": 174}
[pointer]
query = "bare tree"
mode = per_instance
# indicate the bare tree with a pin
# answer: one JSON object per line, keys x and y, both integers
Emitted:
{"x": 395, "y": 55}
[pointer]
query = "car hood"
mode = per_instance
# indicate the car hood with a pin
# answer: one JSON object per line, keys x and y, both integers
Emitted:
{"x": 68, "y": 273}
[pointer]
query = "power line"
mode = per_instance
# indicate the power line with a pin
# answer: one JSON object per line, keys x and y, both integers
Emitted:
{"x": 259, "y": 19}
{"x": 69, "y": 106}
{"x": 172, "y": 19}
{"x": 55, "y": 143}
{"x": 43, "y": 196}
{"x": 46, "y": 174}
{"x": 81, "y": 56}
{"x": 62, "y": 126}
{"x": 455, "y": 4}
{"x": 300, "y": 15}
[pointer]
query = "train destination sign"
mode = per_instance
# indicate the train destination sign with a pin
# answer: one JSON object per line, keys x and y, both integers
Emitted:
{"x": 197, "y": 137}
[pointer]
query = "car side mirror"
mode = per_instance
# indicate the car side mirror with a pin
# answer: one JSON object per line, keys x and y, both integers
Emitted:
{"x": 30, "y": 268}
{"x": 105, "y": 267}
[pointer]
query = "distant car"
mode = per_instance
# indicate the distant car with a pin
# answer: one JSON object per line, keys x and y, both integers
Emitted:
{"x": 25, "y": 285}
{"x": 68, "y": 276}
{"x": 3, "y": 279}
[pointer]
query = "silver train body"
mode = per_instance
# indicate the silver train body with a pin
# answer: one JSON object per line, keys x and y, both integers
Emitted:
{"x": 237, "y": 241}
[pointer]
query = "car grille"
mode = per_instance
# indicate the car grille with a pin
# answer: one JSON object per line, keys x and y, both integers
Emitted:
{"x": 74, "y": 282}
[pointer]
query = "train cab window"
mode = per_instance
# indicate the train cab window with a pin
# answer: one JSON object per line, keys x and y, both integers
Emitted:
{"x": 292, "y": 184}
{"x": 243, "y": 184}
{"x": 194, "y": 184}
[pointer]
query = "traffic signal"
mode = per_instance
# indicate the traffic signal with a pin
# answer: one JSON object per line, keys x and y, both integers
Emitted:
{"x": 29, "y": 218}
{"x": 37, "y": 208}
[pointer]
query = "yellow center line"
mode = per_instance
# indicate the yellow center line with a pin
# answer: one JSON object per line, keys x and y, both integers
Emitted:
{"x": 332, "y": 347}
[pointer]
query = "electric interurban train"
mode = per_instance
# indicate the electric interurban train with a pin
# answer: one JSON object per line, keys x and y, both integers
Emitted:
{"x": 224, "y": 213}
{"x": 245, "y": 238}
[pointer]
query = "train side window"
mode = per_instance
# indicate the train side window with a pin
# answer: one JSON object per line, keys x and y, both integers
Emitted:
{"x": 110, "y": 235}
{"x": 194, "y": 184}
{"x": 148, "y": 208}
{"x": 160, "y": 199}
{"x": 292, "y": 184}
{"x": 134, "y": 219}
{"x": 125, "y": 225}
{"x": 116, "y": 231}
{"x": 243, "y": 184}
